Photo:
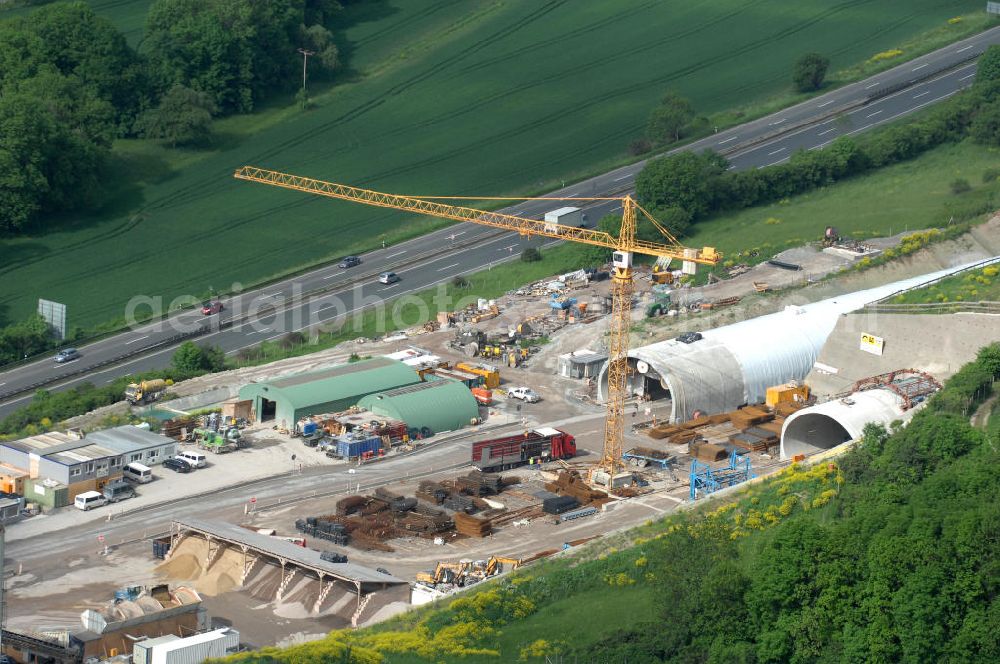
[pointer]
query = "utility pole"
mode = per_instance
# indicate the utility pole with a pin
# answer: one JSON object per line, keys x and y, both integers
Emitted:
{"x": 305, "y": 59}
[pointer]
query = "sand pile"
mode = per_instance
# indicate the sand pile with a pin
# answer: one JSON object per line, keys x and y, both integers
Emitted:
{"x": 187, "y": 564}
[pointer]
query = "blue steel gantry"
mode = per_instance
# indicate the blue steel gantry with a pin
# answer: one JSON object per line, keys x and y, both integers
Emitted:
{"x": 708, "y": 480}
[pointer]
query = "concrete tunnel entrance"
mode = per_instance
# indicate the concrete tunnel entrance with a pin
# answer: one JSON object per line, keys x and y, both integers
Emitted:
{"x": 811, "y": 433}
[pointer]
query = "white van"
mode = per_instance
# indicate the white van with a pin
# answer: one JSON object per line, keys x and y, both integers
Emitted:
{"x": 89, "y": 500}
{"x": 138, "y": 473}
{"x": 196, "y": 459}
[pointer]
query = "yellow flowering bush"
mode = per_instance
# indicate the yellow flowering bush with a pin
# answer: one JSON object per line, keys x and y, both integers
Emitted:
{"x": 885, "y": 55}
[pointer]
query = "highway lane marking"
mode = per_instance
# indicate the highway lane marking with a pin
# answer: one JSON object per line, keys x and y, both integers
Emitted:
{"x": 507, "y": 248}
{"x": 824, "y": 133}
{"x": 826, "y": 103}
{"x": 965, "y": 48}
{"x": 925, "y": 92}
{"x": 138, "y": 339}
{"x": 773, "y": 163}
{"x": 872, "y": 85}
{"x": 728, "y": 139}
{"x": 821, "y": 145}
{"x": 399, "y": 253}
{"x": 777, "y": 122}
{"x": 969, "y": 76}
{"x": 875, "y": 113}
{"x": 920, "y": 66}
{"x": 624, "y": 177}
{"x": 255, "y": 332}
{"x": 331, "y": 276}
{"x": 776, "y": 151}
{"x": 2, "y": 384}
{"x": 389, "y": 287}
{"x": 448, "y": 267}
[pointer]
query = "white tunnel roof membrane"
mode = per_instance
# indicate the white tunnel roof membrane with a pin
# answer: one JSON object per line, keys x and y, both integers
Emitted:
{"x": 829, "y": 424}
{"x": 735, "y": 364}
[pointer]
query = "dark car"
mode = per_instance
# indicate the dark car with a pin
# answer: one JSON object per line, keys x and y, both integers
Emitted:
{"x": 67, "y": 355}
{"x": 350, "y": 261}
{"x": 177, "y": 465}
{"x": 690, "y": 337}
{"x": 212, "y": 307}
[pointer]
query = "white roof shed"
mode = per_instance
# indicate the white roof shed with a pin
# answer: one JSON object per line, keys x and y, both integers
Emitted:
{"x": 735, "y": 364}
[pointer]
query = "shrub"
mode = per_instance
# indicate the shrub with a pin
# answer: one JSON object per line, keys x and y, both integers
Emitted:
{"x": 639, "y": 146}
{"x": 991, "y": 175}
{"x": 809, "y": 72}
{"x": 531, "y": 255}
{"x": 960, "y": 186}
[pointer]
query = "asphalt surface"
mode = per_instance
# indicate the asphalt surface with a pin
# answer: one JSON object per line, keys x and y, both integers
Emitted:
{"x": 433, "y": 259}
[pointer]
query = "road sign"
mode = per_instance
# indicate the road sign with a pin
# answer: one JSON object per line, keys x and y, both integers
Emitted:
{"x": 872, "y": 344}
{"x": 54, "y": 314}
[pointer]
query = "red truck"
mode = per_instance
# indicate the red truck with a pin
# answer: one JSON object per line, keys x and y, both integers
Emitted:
{"x": 537, "y": 445}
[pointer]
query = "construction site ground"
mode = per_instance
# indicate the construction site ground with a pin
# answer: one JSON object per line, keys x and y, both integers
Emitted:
{"x": 50, "y": 590}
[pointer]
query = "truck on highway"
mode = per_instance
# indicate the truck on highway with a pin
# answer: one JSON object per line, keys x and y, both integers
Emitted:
{"x": 565, "y": 216}
{"x": 145, "y": 391}
{"x": 534, "y": 446}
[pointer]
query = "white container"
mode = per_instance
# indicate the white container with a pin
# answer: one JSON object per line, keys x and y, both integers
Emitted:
{"x": 191, "y": 650}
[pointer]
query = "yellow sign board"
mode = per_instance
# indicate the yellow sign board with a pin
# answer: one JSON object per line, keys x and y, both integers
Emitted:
{"x": 872, "y": 344}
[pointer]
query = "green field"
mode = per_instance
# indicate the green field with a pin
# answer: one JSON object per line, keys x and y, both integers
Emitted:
{"x": 974, "y": 286}
{"x": 908, "y": 196}
{"x": 440, "y": 96}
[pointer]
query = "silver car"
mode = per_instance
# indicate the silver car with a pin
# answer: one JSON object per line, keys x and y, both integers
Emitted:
{"x": 67, "y": 355}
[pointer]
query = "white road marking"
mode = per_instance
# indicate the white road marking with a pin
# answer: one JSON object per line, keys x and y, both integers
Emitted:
{"x": 965, "y": 48}
{"x": 137, "y": 339}
{"x": 448, "y": 267}
{"x": 728, "y": 139}
{"x": 870, "y": 115}
{"x": 773, "y": 163}
{"x": 331, "y": 276}
{"x": 776, "y": 151}
{"x": 824, "y": 133}
{"x": 925, "y": 92}
{"x": 826, "y": 103}
{"x": 507, "y": 248}
{"x": 968, "y": 76}
{"x": 454, "y": 235}
{"x": 778, "y": 122}
{"x": 389, "y": 287}
{"x": 872, "y": 85}
{"x": 624, "y": 177}
{"x": 821, "y": 145}
{"x": 255, "y": 332}
{"x": 2, "y": 384}
{"x": 398, "y": 253}
{"x": 920, "y": 66}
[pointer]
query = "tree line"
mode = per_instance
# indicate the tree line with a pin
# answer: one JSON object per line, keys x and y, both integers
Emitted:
{"x": 684, "y": 187}
{"x": 70, "y": 84}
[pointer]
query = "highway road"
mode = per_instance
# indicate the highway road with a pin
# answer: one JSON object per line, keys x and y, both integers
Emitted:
{"x": 273, "y": 311}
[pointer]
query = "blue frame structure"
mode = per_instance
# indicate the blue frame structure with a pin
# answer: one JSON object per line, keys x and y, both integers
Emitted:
{"x": 708, "y": 480}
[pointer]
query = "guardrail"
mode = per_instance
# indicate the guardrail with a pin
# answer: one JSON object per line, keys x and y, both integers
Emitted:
{"x": 879, "y": 93}
{"x": 934, "y": 308}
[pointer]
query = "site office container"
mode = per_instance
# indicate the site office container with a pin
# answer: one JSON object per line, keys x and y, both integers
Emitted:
{"x": 535, "y": 446}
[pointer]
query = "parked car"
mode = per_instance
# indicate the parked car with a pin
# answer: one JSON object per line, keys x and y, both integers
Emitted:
{"x": 388, "y": 278}
{"x": 118, "y": 490}
{"x": 89, "y": 500}
{"x": 178, "y": 465}
{"x": 690, "y": 337}
{"x": 211, "y": 307}
{"x": 196, "y": 459}
{"x": 524, "y": 394}
{"x": 67, "y": 355}
{"x": 349, "y": 261}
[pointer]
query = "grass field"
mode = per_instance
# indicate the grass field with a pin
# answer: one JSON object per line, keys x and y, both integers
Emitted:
{"x": 908, "y": 196}
{"x": 976, "y": 286}
{"x": 440, "y": 96}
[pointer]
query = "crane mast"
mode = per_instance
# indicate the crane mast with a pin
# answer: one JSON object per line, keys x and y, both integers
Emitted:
{"x": 624, "y": 247}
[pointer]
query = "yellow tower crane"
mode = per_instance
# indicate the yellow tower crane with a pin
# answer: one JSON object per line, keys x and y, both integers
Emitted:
{"x": 623, "y": 247}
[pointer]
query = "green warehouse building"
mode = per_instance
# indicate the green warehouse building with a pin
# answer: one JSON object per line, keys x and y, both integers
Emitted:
{"x": 287, "y": 399}
{"x": 434, "y": 406}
